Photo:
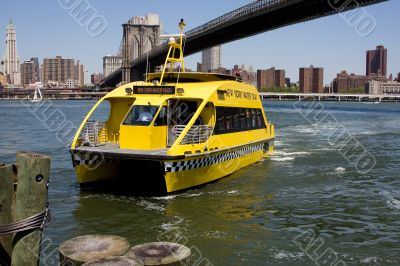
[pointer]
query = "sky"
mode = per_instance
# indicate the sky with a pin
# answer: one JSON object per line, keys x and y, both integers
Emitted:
{"x": 45, "y": 28}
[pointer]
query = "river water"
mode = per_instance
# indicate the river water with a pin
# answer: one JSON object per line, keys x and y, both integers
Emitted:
{"x": 310, "y": 203}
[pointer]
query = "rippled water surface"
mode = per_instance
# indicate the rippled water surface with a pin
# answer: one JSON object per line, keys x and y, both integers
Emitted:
{"x": 307, "y": 204}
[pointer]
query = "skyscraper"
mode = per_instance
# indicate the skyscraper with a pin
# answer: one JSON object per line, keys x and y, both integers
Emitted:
{"x": 11, "y": 60}
{"x": 377, "y": 61}
{"x": 35, "y": 61}
{"x": 79, "y": 75}
{"x": 211, "y": 59}
{"x": 311, "y": 79}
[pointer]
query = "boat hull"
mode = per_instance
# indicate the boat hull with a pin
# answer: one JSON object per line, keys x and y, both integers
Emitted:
{"x": 165, "y": 176}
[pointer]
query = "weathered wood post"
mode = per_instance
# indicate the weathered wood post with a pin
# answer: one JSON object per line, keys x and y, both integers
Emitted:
{"x": 160, "y": 253}
{"x": 6, "y": 213}
{"x": 82, "y": 249}
{"x": 31, "y": 199}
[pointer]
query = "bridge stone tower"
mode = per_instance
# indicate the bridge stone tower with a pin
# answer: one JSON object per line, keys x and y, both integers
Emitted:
{"x": 140, "y": 34}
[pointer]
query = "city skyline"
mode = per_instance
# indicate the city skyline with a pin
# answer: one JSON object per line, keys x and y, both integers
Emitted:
{"x": 339, "y": 48}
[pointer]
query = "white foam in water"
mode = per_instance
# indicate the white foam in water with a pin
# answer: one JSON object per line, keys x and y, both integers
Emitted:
{"x": 278, "y": 143}
{"x": 170, "y": 226}
{"x": 311, "y": 129}
{"x": 370, "y": 259}
{"x": 232, "y": 192}
{"x": 325, "y": 149}
{"x": 151, "y": 206}
{"x": 287, "y": 255}
{"x": 291, "y": 153}
{"x": 340, "y": 169}
{"x": 192, "y": 195}
{"x": 282, "y": 159}
{"x": 283, "y": 156}
{"x": 169, "y": 197}
{"x": 394, "y": 203}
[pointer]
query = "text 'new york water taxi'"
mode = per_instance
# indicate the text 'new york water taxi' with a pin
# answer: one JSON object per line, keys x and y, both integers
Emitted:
{"x": 174, "y": 131}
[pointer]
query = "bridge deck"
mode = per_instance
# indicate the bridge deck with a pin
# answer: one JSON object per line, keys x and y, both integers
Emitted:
{"x": 254, "y": 18}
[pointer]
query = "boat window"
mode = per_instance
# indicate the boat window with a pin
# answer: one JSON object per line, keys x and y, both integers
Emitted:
{"x": 161, "y": 119}
{"x": 231, "y": 120}
{"x": 236, "y": 119}
{"x": 243, "y": 124}
{"x": 253, "y": 118}
{"x": 141, "y": 115}
{"x": 221, "y": 119}
{"x": 259, "y": 118}
{"x": 248, "y": 118}
{"x": 182, "y": 111}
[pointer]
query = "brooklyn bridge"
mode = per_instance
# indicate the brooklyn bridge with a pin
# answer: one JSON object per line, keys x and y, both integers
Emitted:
{"x": 255, "y": 18}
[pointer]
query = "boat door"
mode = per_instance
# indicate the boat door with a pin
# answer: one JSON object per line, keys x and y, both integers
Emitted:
{"x": 179, "y": 113}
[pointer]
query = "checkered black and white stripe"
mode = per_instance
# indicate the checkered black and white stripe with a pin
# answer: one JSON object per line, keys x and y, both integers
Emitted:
{"x": 87, "y": 160}
{"x": 212, "y": 159}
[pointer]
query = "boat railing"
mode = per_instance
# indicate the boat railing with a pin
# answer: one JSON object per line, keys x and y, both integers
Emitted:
{"x": 195, "y": 135}
{"x": 94, "y": 134}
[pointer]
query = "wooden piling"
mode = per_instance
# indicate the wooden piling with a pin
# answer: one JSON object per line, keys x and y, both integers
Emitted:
{"x": 31, "y": 199}
{"x": 82, "y": 249}
{"x": 160, "y": 253}
{"x": 6, "y": 213}
{"x": 115, "y": 261}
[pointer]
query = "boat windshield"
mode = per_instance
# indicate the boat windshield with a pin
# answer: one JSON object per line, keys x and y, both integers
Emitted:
{"x": 141, "y": 115}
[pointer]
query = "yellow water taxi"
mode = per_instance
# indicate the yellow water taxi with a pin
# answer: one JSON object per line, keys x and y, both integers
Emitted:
{"x": 174, "y": 131}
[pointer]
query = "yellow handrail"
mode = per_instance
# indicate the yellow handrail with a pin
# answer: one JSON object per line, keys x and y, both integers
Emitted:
{"x": 173, "y": 47}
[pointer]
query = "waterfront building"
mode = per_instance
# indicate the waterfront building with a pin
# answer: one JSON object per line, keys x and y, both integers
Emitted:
{"x": 381, "y": 87}
{"x": 377, "y": 61}
{"x": 287, "y": 82}
{"x": 36, "y": 64}
{"x": 270, "y": 78}
{"x": 311, "y": 79}
{"x": 87, "y": 76}
{"x": 79, "y": 75}
{"x": 246, "y": 74}
{"x": 199, "y": 67}
{"x": 28, "y": 73}
{"x": 3, "y": 80}
{"x": 111, "y": 63}
{"x": 96, "y": 78}
{"x": 344, "y": 82}
{"x": 211, "y": 59}
{"x": 41, "y": 73}
{"x": 398, "y": 77}
{"x": 280, "y": 78}
{"x": 70, "y": 83}
{"x": 58, "y": 69}
{"x": 11, "y": 59}
{"x": 222, "y": 70}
